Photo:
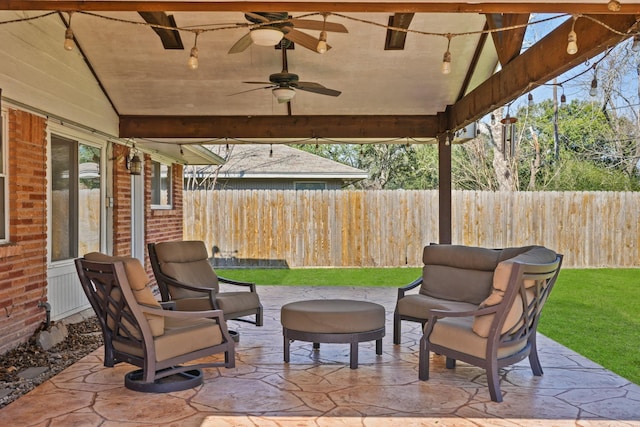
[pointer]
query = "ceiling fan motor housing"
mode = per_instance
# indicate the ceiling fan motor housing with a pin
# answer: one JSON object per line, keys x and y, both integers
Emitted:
{"x": 283, "y": 78}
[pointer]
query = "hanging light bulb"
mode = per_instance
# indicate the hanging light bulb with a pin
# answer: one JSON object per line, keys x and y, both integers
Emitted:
{"x": 636, "y": 43}
{"x": 594, "y": 86}
{"x": 446, "y": 58}
{"x": 614, "y": 6}
{"x": 530, "y": 100}
{"x": 493, "y": 119}
{"x": 68, "y": 35}
{"x": 572, "y": 45}
{"x": 322, "y": 41}
{"x": 563, "y": 101}
{"x": 193, "y": 56}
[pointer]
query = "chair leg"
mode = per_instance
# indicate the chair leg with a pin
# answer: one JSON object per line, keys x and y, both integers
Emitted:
{"x": 230, "y": 357}
{"x": 534, "y": 361}
{"x": 287, "y": 343}
{"x": 493, "y": 382}
{"x": 259, "y": 316}
{"x": 396, "y": 327}
{"x": 423, "y": 360}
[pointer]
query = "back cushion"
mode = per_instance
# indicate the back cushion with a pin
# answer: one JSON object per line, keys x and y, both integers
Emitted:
{"x": 534, "y": 255}
{"x": 458, "y": 273}
{"x": 138, "y": 280}
{"x": 187, "y": 262}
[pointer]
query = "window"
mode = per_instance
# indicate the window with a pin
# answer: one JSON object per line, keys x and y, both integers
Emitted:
{"x": 310, "y": 185}
{"x": 160, "y": 185}
{"x": 75, "y": 198}
{"x": 4, "y": 204}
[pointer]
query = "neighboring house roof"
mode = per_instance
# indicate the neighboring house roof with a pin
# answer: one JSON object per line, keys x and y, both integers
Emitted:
{"x": 281, "y": 161}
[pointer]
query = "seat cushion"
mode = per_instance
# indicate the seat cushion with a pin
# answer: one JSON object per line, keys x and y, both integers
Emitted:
{"x": 235, "y": 302}
{"x": 456, "y": 333}
{"x": 181, "y": 336}
{"x": 139, "y": 282}
{"x": 417, "y": 305}
{"x": 333, "y": 316}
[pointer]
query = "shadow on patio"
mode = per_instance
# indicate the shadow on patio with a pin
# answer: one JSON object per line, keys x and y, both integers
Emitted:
{"x": 319, "y": 389}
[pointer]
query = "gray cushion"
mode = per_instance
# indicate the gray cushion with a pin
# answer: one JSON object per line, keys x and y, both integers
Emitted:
{"x": 187, "y": 262}
{"x": 332, "y": 316}
{"x": 417, "y": 305}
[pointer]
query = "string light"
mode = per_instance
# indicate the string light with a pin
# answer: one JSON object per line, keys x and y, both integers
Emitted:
{"x": 563, "y": 101}
{"x": 572, "y": 45}
{"x": 68, "y": 35}
{"x": 322, "y": 40}
{"x": 493, "y": 119}
{"x": 193, "y": 56}
{"x": 614, "y": 6}
{"x": 446, "y": 58}
{"x": 594, "y": 84}
{"x": 530, "y": 99}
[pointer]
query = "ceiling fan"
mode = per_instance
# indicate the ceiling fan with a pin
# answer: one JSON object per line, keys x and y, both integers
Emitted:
{"x": 283, "y": 85}
{"x": 267, "y": 34}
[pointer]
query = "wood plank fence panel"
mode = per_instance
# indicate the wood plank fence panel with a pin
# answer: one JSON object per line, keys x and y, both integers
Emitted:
{"x": 390, "y": 228}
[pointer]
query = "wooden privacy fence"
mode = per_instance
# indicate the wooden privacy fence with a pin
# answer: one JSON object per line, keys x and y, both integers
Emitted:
{"x": 389, "y": 228}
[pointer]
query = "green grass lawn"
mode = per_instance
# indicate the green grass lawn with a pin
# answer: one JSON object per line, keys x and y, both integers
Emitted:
{"x": 595, "y": 312}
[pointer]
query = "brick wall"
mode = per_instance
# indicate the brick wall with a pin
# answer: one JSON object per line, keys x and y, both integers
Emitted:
{"x": 121, "y": 202}
{"x": 160, "y": 224}
{"x": 164, "y": 224}
{"x": 23, "y": 261}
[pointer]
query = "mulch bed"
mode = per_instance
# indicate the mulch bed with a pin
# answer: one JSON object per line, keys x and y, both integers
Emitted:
{"x": 83, "y": 338}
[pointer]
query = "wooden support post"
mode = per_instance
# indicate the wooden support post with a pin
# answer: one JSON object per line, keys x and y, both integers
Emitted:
{"x": 444, "y": 187}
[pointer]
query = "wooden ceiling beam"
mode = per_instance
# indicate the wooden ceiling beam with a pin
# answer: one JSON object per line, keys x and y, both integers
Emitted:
{"x": 537, "y": 65}
{"x": 509, "y": 42}
{"x": 316, "y": 6}
{"x": 355, "y": 126}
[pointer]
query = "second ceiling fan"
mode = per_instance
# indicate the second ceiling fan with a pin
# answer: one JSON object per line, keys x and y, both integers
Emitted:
{"x": 284, "y": 84}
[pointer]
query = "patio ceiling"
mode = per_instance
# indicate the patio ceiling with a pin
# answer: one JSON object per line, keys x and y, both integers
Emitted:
{"x": 385, "y": 93}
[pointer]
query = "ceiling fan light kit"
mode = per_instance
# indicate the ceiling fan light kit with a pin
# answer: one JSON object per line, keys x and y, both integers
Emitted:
{"x": 283, "y": 94}
{"x": 266, "y": 36}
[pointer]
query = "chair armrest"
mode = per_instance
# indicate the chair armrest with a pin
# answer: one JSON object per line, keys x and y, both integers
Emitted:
{"x": 173, "y": 282}
{"x": 251, "y": 286}
{"x": 439, "y": 314}
{"x": 405, "y": 288}
{"x": 168, "y": 305}
{"x": 434, "y": 314}
{"x": 179, "y": 314}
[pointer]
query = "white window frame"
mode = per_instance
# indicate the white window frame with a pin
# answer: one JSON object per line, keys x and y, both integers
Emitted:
{"x": 155, "y": 182}
{"x": 85, "y": 139}
{"x": 4, "y": 173}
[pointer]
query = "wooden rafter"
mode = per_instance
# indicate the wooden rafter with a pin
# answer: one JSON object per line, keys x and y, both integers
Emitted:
{"x": 539, "y": 64}
{"x": 513, "y": 7}
{"x": 508, "y": 43}
{"x": 377, "y": 126}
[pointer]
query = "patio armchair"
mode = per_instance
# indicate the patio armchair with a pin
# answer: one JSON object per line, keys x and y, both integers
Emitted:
{"x": 138, "y": 330}
{"x": 186, "y": 277}
{"x": 501, "y": 330}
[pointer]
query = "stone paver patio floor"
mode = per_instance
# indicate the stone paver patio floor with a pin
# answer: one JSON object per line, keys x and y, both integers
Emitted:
{"x": 317, "y": 388}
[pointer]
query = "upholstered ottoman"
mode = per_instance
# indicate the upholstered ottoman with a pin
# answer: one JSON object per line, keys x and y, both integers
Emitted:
{"x": 333, "y": 321}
